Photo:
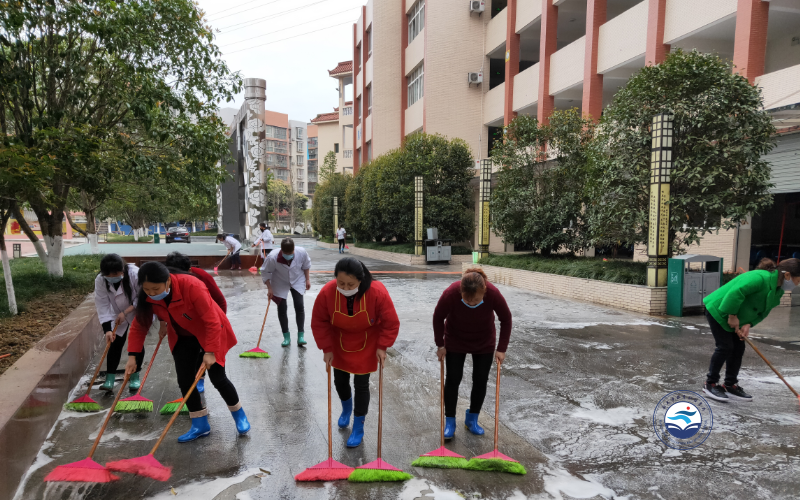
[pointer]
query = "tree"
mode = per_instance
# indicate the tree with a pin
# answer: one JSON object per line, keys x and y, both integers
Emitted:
{"x": 84, "y": 82}
{"x": 5, "y": 213}
{"x": 721, "y": 134}
{"x": 322, "y": 209}
{"x": 328, "y": 166}
{"x": 540, "y": 194}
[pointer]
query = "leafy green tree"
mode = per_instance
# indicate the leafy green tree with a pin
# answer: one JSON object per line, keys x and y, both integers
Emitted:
{"x": 322, "y": 208}
{"x": 721, "y": 135}
{"x": 328, "y": 166}
{"x": 84, "y": 84}
{"x": 540, "y": 193}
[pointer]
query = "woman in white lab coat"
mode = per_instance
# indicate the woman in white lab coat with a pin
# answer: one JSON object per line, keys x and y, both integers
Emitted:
{"x": 234, "y": 247}
{"x": 115, "y": 292}
{"x": 265, "y": 240}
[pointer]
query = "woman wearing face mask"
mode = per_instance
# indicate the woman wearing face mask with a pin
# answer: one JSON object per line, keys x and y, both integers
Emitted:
{"x": 732, "y": 309}
{"x": 353, "y": 322}
{"x": 115, "y": 300}
{"x": 287, "y": 271}
{"x": 234, "y": 247}
{"x": 463, "y": 323}
{"x": 196, "y": 327}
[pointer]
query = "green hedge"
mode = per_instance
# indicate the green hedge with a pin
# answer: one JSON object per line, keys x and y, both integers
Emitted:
{"x": 614, "y": 271}
{"x": 115, "y": 238}
{"x": 408, "y": 248}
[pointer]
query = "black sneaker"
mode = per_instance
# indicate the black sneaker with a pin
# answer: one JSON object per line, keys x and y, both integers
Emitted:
{"x": 737, "y": 393}
{"x": 715, "y": 392}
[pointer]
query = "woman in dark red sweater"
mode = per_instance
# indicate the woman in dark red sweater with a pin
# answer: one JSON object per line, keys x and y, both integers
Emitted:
{"x": 463, "y": 323}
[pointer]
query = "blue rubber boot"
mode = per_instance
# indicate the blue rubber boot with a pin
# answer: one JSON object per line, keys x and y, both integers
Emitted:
{"x": 286, "y": 340}
{"x": 449, "y": 427}
{"x": 200, "y": 428}
{"x": 201, "y": 385}
{"x": 242, "y": 425}
{"x": 347, "y": 409}
{"x": 357, "y": 435}
{"x": 471, "y": 422}
{"x": 300, "y": 340}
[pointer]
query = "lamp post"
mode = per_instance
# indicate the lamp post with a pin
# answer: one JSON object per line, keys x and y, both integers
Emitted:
{"x": 484, "y": 197}
{"x": 658, "y": 231}
{"x": 418, "y": 198}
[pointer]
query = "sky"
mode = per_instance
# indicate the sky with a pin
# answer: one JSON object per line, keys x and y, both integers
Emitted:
{"x": 290, "y": 43}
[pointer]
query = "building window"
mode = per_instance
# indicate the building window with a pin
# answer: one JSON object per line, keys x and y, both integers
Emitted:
{"x": 369, "y": 151}
{"x": 299, "y": 133}
{"x": 299, "y": 159}
{"x": 369, "y": 42}
{"x": 416, "y": 85}
{"x": 301, "y": 186}
{"x": 275, "y": 132}
{"x": 416, "y": 20}
{"x": 299, "y": 146}
{"x": 299, "y": 173}
{"x": 358, "y": 55}
{"x": 282, "y": 175}
{"x": 335, "y": 147}
{"x": 369, "y": 100}
{"x": 358, "y": 107}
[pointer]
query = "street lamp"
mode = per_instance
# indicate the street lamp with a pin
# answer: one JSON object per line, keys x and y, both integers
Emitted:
{"x": 660, "y": 168}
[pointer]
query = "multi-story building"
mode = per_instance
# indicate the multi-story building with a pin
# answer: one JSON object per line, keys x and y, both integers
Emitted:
{"x": 466, "y": 69}
{"x": 335, "y": 130}
{"x": 313, "y": 158}
{"x": 298, "y": 154}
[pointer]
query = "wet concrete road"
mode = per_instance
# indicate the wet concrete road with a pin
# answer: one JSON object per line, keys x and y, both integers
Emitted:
{"x": 579, "y": 388}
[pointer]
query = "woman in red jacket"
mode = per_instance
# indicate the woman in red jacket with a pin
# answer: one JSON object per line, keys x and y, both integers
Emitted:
{"x": 463, "y": 323}
{"x": 354, "y": 322}
{"x": 196, "y": 327}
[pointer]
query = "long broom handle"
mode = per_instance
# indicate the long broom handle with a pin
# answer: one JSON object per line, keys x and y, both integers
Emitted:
{"x": 264, "y": 323}
{"x": 108, "y": 416}
{"x": 380, "y": 408}
{"x": 146, "y": 373}
{"x": 260, "y": 252}
{"x": 441, "y": 396}
{"x": 100, "y": 363}
{"x": 200, "y": 373}
{"x": 497, "y": 407}
{"x": 770, "y": 365}
{"x": 330, "y": 427}
{"x": 223, "y": 259}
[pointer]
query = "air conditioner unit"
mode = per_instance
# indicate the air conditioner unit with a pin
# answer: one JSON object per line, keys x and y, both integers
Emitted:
{"x": 475, "y": 78}
{"x": 477, "y": 6}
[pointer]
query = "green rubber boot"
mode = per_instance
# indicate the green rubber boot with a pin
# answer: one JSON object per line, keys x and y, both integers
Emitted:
{"x": 134, "y": 382}
{"x": 286, "y": 340}
{"x": 300, "y": 340}
{"x": 108, "y": 385}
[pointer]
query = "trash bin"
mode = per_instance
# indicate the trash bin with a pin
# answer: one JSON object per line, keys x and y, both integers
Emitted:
{"x": 688, "y": 285}
{"x": 156, "y": 238}
{"x": 476, "y": 256}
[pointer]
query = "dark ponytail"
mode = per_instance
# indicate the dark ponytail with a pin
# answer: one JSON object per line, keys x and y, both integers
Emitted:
{"x": 113, "y": 263}
{"x": 766, "y": 264}
{"x": 358, "y": 270}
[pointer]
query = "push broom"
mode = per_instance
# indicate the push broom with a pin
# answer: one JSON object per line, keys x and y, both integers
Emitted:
{"x": 378, "y": 470}
{"x": 137, "y": 403}
{"x": 85, "y": 403}
{"x": 216, "y": 266}
{"x": 494, "y": 460}
{"x": 87, "y": 470}
{"x": 441, "y": 458}
{"x": 773, "y": 368}
{"x": 169, "y": 408}
{"x": 330, "y": 469}
{"x": 254, "y": 268}
{"x": 257, "y": 352}
{"x": 147, "y": 465}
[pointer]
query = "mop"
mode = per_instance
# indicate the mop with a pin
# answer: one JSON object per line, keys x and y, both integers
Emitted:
{"x": 85, "y": 403}
{"x": 494, "y": 460}
{"x": 147, "y": 465}
{"x": 441, "y": 458}
{"x": 169, "y": 408}
{"x": 378, "y": 470}
{"x": 330, "y": 469}
{"x": 137, "y": 403}
{"x": 257, "y": 352}
{"x": 87, "y": 470}
{"x": 216, "y": 266}
{"x": 773, "y": 368}
{"x": 254, "y": 268}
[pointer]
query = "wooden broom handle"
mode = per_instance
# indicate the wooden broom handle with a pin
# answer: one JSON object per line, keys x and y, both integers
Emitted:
{"x": 223, "y": 259}
{"x": 144, "y": 379}
{"x": 497, "y": 407}
{"x": 441, "y": 396}
{"x": 200, "y": 373}
{"x": 330, "y": 431}
{"x": 100, "y": 363}
{"x": 108, "y": 416}
{"x": 380, "y": 407}
{"x": 773, "y": 368}
{"x": 264, "y": 323}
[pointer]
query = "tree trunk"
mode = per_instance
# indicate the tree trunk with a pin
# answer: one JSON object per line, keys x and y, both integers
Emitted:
{"x": 50, "y": 222}
{"x": 91, "y": 228}
{"x": 12, "y": 298}
{"x": 23, "y": 224}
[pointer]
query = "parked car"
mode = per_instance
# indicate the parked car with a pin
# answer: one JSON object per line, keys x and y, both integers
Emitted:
{"x": 178, "y": 234}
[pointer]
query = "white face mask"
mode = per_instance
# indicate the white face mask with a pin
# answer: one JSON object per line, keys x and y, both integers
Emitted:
{"x": 348, "y": 293}
{"x": 788, "y": 284}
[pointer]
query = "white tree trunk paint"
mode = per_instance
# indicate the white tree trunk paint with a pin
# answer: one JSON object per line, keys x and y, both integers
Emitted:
{"x": 12, "y": 298}
{"x": 55, "y": 255}
{"x": 135, "y": 233}
{"x": 40, "y": 251}
{"x": 93, "y": 244}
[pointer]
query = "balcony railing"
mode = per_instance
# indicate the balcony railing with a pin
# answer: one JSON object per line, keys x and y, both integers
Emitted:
{"x": 348, "y": 153}
{"x": 347, "y": 111}
{"x": 312, "y": 177}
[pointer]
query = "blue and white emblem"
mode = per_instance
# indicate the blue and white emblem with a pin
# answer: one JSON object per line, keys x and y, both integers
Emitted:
{"x": 682, "y": 420}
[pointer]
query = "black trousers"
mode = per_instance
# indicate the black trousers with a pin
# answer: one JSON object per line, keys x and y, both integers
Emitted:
{"x": 729, "y": 351}
{"x": 454, "y": 371}
{"x": 115, "y": 351}
{"x": 341, "y": 380}
{"x": 341, "y": 245}
{"x": 236, "y": 260}
{"x": 299, "y": 312}
{"x": 186, "y": 353}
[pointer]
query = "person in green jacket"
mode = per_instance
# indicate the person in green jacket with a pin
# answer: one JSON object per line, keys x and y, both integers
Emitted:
{"x": 732, "y": 309}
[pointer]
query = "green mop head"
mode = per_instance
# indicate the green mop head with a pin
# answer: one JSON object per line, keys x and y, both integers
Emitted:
{"x": 254, "y": 353}
{"x": 378, "y": 471}
{"x": 496, "y": 465}
{"x": 169, "y": 408}
{"x": 440, "y": 462}
{"x": 134, "y": 404}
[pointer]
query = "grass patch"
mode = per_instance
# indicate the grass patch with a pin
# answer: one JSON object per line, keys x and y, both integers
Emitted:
{"x": 614, "y": 271}
{"x": 32, "y": 282}
{"x": 117, "y": 238}
{"x": 408, "y": 248}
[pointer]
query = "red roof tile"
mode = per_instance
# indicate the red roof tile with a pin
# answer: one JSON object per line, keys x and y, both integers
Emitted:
{"x": 342, "y": 67}
{"x": 325, "y": 117}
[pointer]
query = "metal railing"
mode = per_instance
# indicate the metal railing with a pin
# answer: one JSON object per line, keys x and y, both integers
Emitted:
{"x": 348, "y": 153}
{"x": 347, "y": 111}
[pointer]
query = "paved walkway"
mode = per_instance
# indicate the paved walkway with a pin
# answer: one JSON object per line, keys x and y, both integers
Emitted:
{"x": 578, "y": 392}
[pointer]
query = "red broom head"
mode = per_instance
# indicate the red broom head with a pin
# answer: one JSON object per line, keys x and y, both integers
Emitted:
{"x": 84, "y": 471}
{"x": 146, "y": 466}
{"x": 329, "y": 470}
{"x": 85, "y": 399}
{"x": 442, "y": 452}
{"x": 379, "y": 464}
{"x": 494, "y": 454}
{"x": 253, "y": 269}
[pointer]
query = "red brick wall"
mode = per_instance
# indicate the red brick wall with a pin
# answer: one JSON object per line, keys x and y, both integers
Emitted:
{"x": 657, "y": 50}
{"x": 592, "y": 82}
{"x": 547, "y": 47}
{"x": 750, "y": 45}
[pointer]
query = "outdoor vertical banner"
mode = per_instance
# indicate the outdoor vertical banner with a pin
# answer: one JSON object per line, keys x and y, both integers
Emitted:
{"x": 484, "y": 197}
{"x": 658, "y": 222}
{"x": 335, "y": 216}
{"x": 418, "y": 196}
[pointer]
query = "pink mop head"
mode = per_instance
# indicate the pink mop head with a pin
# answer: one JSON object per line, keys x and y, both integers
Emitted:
{"x": 146, "y": 466}
{"x": 84, "y": 471}
{"x": 329, "y": 470}
{"x": 496, "y": 454}
{"x": 379, "y": 464}
{"x": 442, "y": 452}
{"x": 85, "y": 399}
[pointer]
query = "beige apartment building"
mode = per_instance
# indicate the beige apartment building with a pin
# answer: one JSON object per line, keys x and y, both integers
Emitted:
{"x": 466, "y": 68}
{"x": 335, "y": 129}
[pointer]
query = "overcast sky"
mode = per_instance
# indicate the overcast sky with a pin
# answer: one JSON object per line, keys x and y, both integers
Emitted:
{"x": 289, "y": 43}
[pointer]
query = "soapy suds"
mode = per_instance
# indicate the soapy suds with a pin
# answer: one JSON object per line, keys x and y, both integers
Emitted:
{"x": 42, "y": 459}
{"x": 124, "y": 436}
{"x": 558, "y": 481}
{"x": 558, "y": 325}
{"x": 205, "y": 489}
{"x": 614, "y": 416}
{"x": 421, "y": 489}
